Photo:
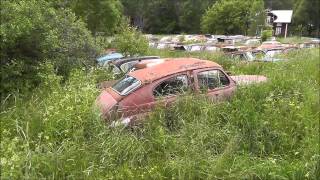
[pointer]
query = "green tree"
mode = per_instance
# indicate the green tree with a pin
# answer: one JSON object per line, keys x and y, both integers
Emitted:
{"x": 231, "y": 16}
{"x": 100, "y": 15}
{"x": 131, "y": 41}
{"x": 32, "y": 32}
{"x": 134, "y": 10}
{"x": 190, "y": 15}
{"x": 257, "y": 17}
{"x": 306, "y": 14}
{"x": 166, "y": 16}
{"x": 162, "y": 16}
{"x": 279, "y": 4}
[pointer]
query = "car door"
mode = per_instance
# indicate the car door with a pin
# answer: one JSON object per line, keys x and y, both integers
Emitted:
{"x": 166, "y": 90}
{"x": 215, "y": 83}
{"x": 163, "y": 92}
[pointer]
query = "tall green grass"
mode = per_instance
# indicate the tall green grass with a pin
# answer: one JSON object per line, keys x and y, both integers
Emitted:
{"x": 267, "y": 131}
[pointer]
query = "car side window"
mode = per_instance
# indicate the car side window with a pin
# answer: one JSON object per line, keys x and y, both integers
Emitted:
{"x": 212, "y": 79}
{"x": 224, "y": 81}
{"x": 173, "y": 86}
{"x": 126, "y": 67}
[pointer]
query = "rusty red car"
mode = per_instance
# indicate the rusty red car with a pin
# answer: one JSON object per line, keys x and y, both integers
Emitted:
{"x": 136, "y": 94}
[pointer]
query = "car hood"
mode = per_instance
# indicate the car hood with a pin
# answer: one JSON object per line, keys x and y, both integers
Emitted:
{"x": 249, "y": 79}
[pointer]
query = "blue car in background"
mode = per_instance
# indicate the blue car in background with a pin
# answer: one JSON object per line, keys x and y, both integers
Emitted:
{"x": 102, "y": 60}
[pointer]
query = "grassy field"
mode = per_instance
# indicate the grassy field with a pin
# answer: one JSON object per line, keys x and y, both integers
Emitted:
{"x": 270, "y": 131}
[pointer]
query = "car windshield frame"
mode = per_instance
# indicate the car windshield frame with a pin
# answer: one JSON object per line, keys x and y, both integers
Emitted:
{"x": 129, "y": 88}
{"x": 127, "y": 68}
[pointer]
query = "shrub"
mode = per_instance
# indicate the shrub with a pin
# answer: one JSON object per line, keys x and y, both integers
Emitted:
{"x": 266, "y": 34}
{"x": 34, "y": 32}
{"x": 131, "y": 42}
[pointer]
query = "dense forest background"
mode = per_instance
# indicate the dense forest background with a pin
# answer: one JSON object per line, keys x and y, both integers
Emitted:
{"x": 64, "y": 32}
{"x": 186, "y": 16}
{"x": 177, "y": 16}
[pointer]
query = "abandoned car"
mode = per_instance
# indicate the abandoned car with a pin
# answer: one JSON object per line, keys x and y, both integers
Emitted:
{"x": 270, "y": 45}
{"x": 242, "y": 55}
{"x": 136, "y": 94}
{"x": 125, "y": 65}
{"x": 104, "y": 59}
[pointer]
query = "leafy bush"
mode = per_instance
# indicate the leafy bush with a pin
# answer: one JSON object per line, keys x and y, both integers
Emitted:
{"x": 266, "y": 34}
{"x": 32, "y": 32}
{"x": 100, "y": 16}
{"x": 131, "y": 42}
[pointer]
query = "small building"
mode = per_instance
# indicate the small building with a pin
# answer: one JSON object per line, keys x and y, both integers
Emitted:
{"x": 279, "y": 20}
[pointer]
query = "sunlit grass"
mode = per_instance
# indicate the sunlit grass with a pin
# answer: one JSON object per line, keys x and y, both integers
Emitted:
{"x": 270, "y": 131}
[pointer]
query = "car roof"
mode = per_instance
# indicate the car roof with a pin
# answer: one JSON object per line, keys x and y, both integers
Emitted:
{"x": 238, "y": 52}
{"x": 171, "y": 66}
{"x": 271, "y": 42}
{"x": 122, "y": 61}
{"x": 109, "y": 56}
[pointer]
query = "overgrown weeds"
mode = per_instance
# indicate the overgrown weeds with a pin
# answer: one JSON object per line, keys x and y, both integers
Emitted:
{"x": 267, "y": 131}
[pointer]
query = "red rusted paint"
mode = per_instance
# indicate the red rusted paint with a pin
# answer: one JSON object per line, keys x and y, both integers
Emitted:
{"x": 141, "y": 101}
{"x": 171, "y": 66}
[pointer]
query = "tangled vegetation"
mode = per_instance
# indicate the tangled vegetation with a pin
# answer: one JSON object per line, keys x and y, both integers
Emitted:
{"x": 50, "y": 128}
{"x": 269, "y": 131}
{"x": 33, "y": 32}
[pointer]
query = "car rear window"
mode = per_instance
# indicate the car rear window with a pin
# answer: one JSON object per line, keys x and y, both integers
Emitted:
{"x": 126, "y": 85}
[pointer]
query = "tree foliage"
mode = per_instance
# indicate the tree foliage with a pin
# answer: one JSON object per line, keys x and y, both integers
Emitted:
{"x": 279, "y": 4}
{"x": 32, "y": 31}
{"x": 184, "y": 16}
{"x": 131, "y": 41}
{"x": 232, "y": 16}
{"x": 162, "y": 16}
{"x": 166, "y": 16}
{"x": 100, "y": 15}
{"x": 134, "y": 9}
{"x": 306, "y": 14}
{"x": 191, "y": 13}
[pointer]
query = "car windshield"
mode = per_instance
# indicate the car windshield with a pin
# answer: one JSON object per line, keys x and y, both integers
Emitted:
{"x": 126, "y": 85}
{"x": 115, "y": 69}
{"x": 272, "y": 53}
